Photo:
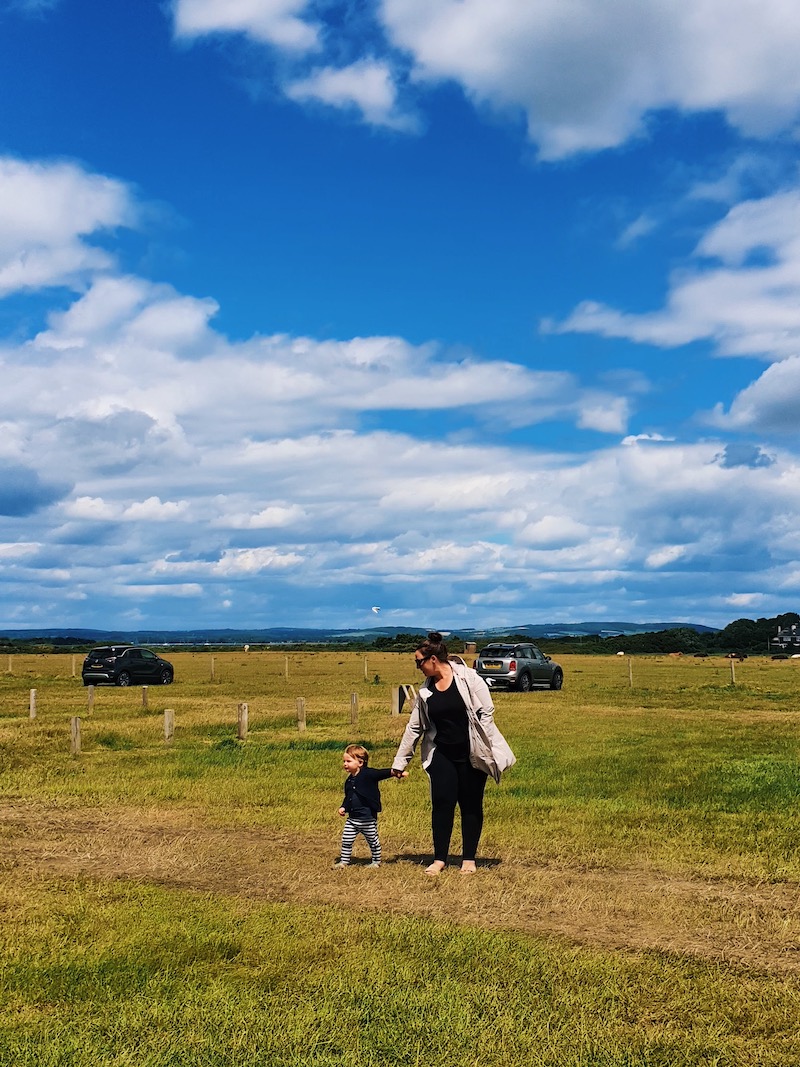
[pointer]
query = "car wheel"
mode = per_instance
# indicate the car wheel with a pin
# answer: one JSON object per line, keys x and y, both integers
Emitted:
{"x": 166, "y": 677}
{"x": 524, "y": 683}
{"x": 557, "y": 680}
{"x": 123, "y": 678}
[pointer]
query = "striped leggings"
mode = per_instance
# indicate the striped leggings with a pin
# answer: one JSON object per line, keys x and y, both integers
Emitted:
{"x": 354, "y": 827}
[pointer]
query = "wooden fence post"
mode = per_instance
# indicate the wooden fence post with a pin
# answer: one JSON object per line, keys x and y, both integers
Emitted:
{"x": 286, "y": 668}
{"x": 32, "y": 704}
{"x": 301, "y": 713}
{"x": 366, "y": 674}
{"x": 10, "y": 671}
{"x": 242, "y": 723}
{"x": 213, "y": 672}
{"x": 90, "y": 699}
{"x": 733, "y": 673}
{"x": 169, "y": 724}
{"x": 395, "y": 700}
{"x": 73, "y": 666}
{"x": 630, "y": 671}
{"x": 144, "y": 697}
{"x": 353, "y": 709}
{"x": 75, "y": 735}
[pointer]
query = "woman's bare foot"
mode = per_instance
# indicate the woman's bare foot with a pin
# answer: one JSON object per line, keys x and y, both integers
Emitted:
{"x": 468, "y": 867}
{"x": 436, "y": 867}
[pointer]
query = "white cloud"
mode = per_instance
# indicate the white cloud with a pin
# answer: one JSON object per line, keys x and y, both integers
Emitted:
{"x": 496, "y": 597}
{"x": 18, "y": 550}
{"x": 608, "y": 415}
{"x": 274, "y": 22}
{"x": 743, "y": 293}
{"x": 154, "y": 510}
{"x": 245, "y": 561}
{"x": 91, "y": 508}
{"x": 665, "y": 555}
{"x": 47, "y": 212}
{"x": 32, "y": 7}
{"x": 636, "y": 230}
{"x": 179, "y": 589}
{"x": 746, "y": 600}
{"x": 748, "y": 172}
{"x": 274, "y": 517}
{"x": 310, "y": 520}
{"x": 634, "y": 439}
{"x": 129, "y": 312}
{"x": 562, "y": 65}
{"x": 555, "y": 530}
{"x": 770, "y": 404}
{"x": 140, "y": 344}
{"x": 367, "y": 85}
{"x": 210, "y": 465}
{"x": 559, "y": 66}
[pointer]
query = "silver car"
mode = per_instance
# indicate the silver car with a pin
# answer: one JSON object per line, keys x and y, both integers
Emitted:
{"x": 518, "y": 666}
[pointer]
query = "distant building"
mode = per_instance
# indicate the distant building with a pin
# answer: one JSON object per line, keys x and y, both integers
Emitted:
{"x": 788, "y": 637}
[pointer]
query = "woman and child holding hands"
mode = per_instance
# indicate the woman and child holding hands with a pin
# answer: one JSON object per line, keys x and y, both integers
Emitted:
{"x": 453, "y": 716}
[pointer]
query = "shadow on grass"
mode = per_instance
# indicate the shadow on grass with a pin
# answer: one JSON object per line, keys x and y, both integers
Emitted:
{"x": 424, "y": 858}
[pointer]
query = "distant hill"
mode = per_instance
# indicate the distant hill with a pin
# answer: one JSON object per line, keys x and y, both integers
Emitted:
{"x": 595, "y": 629}
{"x": 274, "y": 635}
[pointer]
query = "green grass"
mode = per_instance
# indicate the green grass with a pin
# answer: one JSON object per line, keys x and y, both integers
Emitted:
{"x": 134, "y": 975}
{"x": 681, "y": 774}
{"x": 686, "y": 772}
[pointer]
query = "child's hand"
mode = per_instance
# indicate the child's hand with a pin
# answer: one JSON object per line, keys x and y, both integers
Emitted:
{"x": 401, "y": 774}
{"x": 342, "y": 811}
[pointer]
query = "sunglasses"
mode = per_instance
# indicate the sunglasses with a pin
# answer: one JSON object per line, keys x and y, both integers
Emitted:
{"x": 419, "y": 662}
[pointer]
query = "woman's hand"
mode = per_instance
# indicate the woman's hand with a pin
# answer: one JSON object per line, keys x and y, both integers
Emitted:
{"x": 342, "y": 811}
{"x": 399, "y": 774}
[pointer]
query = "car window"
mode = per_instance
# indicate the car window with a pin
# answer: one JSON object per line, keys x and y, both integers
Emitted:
{"x": 134, "y": 653}
{"x": 147, "y": 654}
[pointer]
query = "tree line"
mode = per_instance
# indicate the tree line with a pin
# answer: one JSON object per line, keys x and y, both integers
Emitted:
{"x": 749, "y": 636}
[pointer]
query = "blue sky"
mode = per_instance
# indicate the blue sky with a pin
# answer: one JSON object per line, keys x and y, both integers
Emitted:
{"x": 482, "y": 312}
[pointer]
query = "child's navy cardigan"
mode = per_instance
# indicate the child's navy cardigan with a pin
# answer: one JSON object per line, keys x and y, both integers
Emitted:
{"x": 362, "y": 790}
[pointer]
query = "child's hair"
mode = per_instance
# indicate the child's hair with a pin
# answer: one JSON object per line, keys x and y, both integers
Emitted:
{"x": 359, "y": 752}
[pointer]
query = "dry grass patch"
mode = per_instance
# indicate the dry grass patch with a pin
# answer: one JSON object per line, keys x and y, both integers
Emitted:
{"x": 756, "y": 926}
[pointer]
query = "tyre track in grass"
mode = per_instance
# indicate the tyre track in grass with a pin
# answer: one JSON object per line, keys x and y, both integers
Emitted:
{"x": 752, "y": 925}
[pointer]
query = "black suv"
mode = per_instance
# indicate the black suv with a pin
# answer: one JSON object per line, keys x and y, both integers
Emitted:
{"x": 518, "y": 667}
{"x": 122, "y": 665}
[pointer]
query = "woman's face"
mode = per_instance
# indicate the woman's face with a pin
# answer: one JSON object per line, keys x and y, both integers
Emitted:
{"x": 427, "y": 664}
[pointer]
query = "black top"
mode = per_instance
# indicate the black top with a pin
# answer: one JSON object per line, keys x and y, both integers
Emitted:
{"x": 362, "y": 794}
{"x": 448, "y": 713}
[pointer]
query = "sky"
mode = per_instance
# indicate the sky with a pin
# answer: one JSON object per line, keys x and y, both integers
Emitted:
{"x": 436, "y": 313}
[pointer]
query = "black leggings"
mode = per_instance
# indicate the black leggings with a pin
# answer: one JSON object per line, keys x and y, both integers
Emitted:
{"x": 451, "y": 784}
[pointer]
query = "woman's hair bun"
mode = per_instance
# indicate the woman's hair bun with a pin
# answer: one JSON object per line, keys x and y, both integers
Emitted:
{"x": 435, "y": 638}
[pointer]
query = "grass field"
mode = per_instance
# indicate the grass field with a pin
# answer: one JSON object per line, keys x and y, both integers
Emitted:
{"x": 636, "y": 903}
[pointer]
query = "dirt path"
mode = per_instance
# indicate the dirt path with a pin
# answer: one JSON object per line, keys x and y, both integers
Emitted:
{"x": 753, "y": 925}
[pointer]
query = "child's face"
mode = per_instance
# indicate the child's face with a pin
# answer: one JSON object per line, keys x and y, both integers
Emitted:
{"x": 352, "y": 764}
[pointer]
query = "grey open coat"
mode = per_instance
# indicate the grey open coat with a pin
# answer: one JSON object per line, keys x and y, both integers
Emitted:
{"x": 488, "y": 749}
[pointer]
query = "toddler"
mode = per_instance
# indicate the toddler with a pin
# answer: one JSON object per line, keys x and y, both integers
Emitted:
{"x": 361, "y": 804}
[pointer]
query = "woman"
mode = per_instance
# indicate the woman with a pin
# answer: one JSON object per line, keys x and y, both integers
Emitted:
{"x": 461, "y": 746}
